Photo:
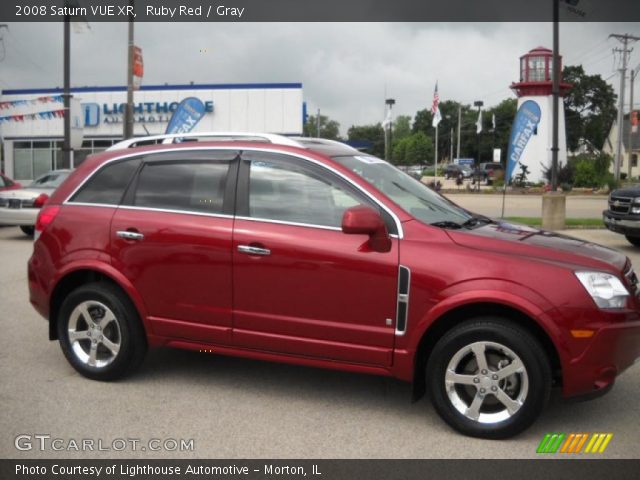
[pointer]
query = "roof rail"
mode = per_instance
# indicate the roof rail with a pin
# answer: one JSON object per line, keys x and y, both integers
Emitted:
{"x": 170, "y": 138}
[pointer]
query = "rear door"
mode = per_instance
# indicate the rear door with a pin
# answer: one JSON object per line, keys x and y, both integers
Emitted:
{"x": 171, "y": 238}
{"x": 302, "y": 286}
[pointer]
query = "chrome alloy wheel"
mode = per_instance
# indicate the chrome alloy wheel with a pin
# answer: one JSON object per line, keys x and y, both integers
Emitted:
{"x": 94, "y": 334}
{"x": 486, "y": 382}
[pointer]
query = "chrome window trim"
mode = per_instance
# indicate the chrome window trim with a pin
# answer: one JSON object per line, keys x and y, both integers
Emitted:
{"x": 169, "y": 210}
{"x": 395, "y": 218}
{"x": 293, "y": 224}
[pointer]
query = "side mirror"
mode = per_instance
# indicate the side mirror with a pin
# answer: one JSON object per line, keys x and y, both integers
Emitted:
{"x": 361, "y": 220}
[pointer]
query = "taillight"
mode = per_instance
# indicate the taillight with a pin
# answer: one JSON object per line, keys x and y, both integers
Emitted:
{"x": 45, "y": 217}
{"x": 40, "y": 200}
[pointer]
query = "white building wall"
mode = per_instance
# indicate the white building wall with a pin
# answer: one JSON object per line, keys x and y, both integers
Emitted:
{"x": 251, "y": 109}
{"x": 537, "y": 153}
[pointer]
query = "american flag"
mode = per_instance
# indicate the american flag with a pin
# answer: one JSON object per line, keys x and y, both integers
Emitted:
{"x": 435, "y": 109}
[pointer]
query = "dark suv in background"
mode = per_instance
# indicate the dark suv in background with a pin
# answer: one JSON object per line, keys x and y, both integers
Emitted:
{"x": 623, "y": 214}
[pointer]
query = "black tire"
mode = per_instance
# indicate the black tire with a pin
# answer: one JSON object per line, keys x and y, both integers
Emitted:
{"x": 27, "y": 230}
{"x": 125, "y": 331}
{"x": 635, "y": 241}
{"x": 535, "y": 380}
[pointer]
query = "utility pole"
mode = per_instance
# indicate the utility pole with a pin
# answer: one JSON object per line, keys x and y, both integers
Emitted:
{"x": 632, "y": 79}
{"x": 390, "y": 102}
{"x": 555, "y": 91}
{"x": 459, "y": 122}
{"x": 625, "y": 50}
{"x": 318, "y": 124}
{"x": 66, "y": 94}
{"x": 128, "y": 113}
{"x": 451, "y": 142}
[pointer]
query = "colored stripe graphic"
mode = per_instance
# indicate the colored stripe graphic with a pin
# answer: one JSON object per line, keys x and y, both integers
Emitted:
{"x": 573, "y": 443}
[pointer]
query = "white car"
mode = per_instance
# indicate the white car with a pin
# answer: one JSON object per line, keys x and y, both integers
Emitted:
{"x": 21, "y": 206}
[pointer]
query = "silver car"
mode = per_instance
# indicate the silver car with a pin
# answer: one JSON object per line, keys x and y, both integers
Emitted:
{"x": 21, "y": 206}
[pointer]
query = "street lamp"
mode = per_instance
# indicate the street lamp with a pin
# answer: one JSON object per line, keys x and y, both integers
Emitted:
{"x": 479, "y": 104}
{"x": 390, "y": 102}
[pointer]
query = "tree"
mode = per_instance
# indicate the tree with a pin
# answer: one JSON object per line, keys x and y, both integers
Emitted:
{"x": 401, "y": 127}
{"x": 419, "y": 149}
{"x": 371, "y": 133}
{"x": 589, "y": 109}
{"x": 328, "y": 128}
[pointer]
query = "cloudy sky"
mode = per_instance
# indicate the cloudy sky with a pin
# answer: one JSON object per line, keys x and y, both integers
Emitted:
{"x": 345, "y": 68}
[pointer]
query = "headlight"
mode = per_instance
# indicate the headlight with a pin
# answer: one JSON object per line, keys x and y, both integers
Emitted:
{"x": 636, "y": 200}
{"x": 606, "y": 290}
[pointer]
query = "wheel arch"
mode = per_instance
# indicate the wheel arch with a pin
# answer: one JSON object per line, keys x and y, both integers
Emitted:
{"x": 82, "y": 275}
{"x": 455, "y": 316}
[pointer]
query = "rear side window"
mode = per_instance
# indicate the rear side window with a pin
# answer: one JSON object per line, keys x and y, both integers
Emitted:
{"x": 108, "y": 185}
{"x": 185, "y": 185}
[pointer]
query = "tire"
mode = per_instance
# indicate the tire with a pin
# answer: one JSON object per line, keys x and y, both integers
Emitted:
{"x": 635, "y": 241}
{"x": 113, "y": 326}
{"x": 28, "y": 230}
{"x": 527, "y": 390}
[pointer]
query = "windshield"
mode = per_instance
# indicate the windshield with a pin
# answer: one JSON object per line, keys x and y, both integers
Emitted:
{"x": 49, "y": 180}
{"x": 412, "y": 195}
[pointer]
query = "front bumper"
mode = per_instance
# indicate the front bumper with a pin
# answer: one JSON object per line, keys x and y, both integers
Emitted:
{"x": 621, "y": 223}
{"x": 19, "y": 216}
{"x": 612, "y": 350}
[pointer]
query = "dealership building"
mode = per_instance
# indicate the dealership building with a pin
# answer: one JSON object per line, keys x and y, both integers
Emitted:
{"x": 31, "y": 121}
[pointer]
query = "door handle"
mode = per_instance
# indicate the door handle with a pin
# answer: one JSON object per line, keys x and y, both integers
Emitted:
{"x": 129, "y": 235}
{"x": 251, "y": 250}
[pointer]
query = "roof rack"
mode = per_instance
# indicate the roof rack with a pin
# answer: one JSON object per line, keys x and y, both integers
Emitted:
{"x": 170, "y": 138}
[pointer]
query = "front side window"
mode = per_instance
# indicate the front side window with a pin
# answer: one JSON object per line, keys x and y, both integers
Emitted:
{"x": 291, "y": 193}
{"x": 196, "y": 186}
{"x": 107, "y": 186}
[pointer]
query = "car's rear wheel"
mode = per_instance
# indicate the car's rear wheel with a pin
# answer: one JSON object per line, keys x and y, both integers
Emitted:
{"x": 635, "y": 241}
{"x": 488, "y": 378}
{"x": 100, "y": 332}
{"x": 27, "y": 230}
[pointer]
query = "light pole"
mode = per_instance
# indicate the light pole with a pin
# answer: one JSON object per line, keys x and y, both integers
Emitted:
{"x": 479, "y": 104}
{"x": 390, "y": 102}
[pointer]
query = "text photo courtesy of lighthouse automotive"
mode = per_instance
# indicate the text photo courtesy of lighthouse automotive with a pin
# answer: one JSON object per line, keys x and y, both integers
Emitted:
{"x": 238, "y": 241}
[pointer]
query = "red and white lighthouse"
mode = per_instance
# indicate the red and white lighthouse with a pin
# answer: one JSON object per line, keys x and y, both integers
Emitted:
{"x": 536, "y": 83}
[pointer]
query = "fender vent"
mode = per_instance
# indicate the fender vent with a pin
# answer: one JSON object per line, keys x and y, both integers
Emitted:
{"x": 404, "y": 282}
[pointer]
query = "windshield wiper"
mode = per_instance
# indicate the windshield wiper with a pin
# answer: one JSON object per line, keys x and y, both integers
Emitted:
{"x": 476, "y": 219}
{"x": 447, "y": 224}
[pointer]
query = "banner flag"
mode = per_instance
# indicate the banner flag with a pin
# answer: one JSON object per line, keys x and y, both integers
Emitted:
{"x": 187, "y": 115}
{"x": 524, "y": 126}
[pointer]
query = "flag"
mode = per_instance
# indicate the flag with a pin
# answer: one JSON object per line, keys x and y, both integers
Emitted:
{"x": 493, "y": 122}
{"x": 435, "y": 109}
{"x": 524, "y": 125}
{"x": 386, "y": 123}
{"x": 479, "y": 122}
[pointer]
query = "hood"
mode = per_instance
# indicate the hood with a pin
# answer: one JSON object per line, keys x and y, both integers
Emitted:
{"x": 633, "y": 191}
{"x": 509, "y": 238}
{"x": 25, "y": 193}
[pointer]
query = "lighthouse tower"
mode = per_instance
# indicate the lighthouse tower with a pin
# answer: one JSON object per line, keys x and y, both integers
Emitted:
{"x": 536, "y": 81}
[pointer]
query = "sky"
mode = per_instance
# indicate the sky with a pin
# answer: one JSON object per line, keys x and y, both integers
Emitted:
{"x": 347, "y": 69}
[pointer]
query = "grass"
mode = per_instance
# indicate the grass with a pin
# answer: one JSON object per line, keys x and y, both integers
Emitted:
{"x": 570, "y": 222}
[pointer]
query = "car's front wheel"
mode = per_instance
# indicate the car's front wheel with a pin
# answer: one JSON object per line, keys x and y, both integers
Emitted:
{"x": 100, "y": 333}
{"x": 488, "y": 378}
{"x": 635, "y": 241}
{"x": 27, "y": 230}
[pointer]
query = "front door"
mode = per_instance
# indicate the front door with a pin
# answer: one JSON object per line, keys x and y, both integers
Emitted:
{"x": 302, "y": 286}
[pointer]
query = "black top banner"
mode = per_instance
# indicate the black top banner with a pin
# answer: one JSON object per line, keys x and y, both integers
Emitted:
{"x": 318, "y": 10}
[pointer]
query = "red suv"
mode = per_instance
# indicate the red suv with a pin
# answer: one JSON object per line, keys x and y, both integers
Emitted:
{"x": 309, "y": 252}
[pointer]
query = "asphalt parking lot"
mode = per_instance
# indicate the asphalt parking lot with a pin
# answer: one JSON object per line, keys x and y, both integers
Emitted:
{"x": 236, "y": 408}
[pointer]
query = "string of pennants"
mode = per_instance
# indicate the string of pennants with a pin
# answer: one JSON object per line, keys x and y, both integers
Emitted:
{"x": 34, "y": 101}
{"x": 34, "y": 116}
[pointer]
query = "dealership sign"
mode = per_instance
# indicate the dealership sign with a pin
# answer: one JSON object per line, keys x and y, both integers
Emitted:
{"x": 144, "y": 112}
